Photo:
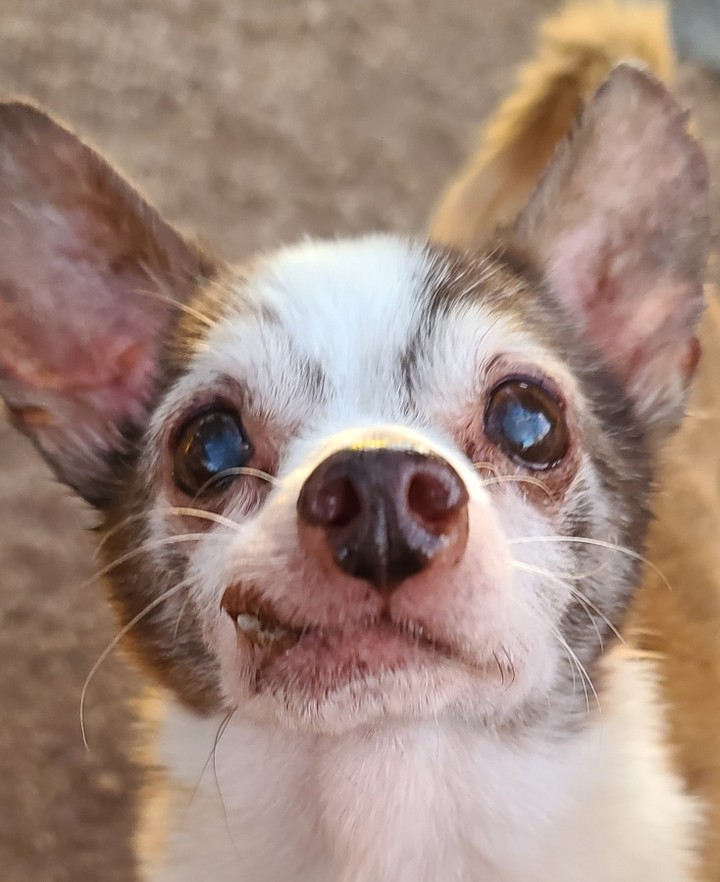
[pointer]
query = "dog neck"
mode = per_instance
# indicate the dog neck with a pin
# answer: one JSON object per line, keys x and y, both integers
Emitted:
{"x": 429, "y": 801}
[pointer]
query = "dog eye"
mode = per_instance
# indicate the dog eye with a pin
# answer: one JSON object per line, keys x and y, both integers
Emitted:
{"x": 527, "y": 423}
{"x": 210, "y": 443}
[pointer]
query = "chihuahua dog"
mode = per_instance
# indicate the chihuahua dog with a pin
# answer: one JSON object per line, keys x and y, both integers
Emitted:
{"x": 375, "y": 512}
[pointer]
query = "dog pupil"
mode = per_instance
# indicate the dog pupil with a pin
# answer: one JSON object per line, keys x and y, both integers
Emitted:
{"x": 525, "y": 428}
{"x": 527, "y": 423}
{"x": 210, "y": 444}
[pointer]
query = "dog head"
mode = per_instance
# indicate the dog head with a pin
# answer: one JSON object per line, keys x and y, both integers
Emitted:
{"x": 365, "y": 481}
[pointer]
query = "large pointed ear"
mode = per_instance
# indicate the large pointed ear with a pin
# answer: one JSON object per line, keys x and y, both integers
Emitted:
{"x": 619, "y": 225}
{"x": 88, "y": 276}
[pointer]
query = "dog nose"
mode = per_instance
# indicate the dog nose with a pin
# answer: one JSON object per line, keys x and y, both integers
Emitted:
{"x": 386, "y": 512}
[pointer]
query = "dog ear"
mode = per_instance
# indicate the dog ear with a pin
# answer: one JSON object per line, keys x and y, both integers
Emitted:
{"x": 88, "y": 273}
{"x": 619, "y": 225}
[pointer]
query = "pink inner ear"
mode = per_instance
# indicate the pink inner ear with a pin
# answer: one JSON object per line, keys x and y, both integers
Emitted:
{"x": 638, "y": 321}
{"x": 77, "y": 366}
{"x": 67, "y": 352}
{"x": 120, "y": 384}
{"x": 620, "y": 225}
{"x": 81, "y": 258}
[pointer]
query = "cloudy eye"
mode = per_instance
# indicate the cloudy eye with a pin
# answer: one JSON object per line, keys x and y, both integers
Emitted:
{"x": 527, "y": 423}
{"x": 210, "y": 443}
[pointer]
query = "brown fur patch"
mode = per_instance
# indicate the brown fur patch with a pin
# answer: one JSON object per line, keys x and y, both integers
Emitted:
{"x": 166, "y": 639}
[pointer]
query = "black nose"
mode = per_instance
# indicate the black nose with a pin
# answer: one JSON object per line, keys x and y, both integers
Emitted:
{"x": 386, "y": 512}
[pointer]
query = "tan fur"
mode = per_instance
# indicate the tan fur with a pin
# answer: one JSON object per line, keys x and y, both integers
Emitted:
{"x": 577, "y": 49}
{"x": 681, "y": 626}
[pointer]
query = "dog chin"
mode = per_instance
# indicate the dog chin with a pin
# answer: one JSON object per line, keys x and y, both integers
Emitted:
{"x": 337, "y": 701}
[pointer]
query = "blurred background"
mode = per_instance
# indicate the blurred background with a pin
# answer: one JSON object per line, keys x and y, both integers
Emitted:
{"x": 252, "y": 123}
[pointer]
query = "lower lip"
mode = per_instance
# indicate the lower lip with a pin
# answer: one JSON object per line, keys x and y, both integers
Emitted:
{"x": 318, "y": 663}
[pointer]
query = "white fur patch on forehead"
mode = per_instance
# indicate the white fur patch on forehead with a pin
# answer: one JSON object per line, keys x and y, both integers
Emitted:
{"x": 334, "y": 315}
{"x": 368, "y": 277}
{"x": 340, "y": 300}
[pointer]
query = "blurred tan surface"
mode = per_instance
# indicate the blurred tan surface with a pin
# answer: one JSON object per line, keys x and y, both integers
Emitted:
{"x": 252, "y": 123}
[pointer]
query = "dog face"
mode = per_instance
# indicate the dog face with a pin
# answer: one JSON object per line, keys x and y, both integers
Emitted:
{"x": 370, "y": 481}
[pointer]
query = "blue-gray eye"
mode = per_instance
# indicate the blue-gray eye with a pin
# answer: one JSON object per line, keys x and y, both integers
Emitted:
{"x": 210, "y": 443}
{"x": 527, "y": 423}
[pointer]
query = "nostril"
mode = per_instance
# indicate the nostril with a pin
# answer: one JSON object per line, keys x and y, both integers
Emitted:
{"x": 435, "y": 498}
{"x": 384, "y": 513}
{"x": 335, "y": 503}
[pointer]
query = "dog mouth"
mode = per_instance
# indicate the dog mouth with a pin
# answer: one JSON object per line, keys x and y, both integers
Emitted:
{"x": 329, "y": 653}
{"x": 370, "y": 668}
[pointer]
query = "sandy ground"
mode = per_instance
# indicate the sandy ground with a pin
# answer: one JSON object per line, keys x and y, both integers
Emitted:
{"x": 252, "y": 122}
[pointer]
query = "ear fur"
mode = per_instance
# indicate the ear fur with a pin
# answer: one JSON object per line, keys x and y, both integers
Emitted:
{"x": 619, "y": 225}
{"x": 88, "y": 273}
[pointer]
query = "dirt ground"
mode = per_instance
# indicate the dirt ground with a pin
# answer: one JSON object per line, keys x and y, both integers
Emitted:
{"x": 252, "y": 122}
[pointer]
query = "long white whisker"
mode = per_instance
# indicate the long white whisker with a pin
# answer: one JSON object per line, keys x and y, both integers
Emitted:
{"x": 586, "y": 677}
{"x": 576, "y": 592}
{"x": 530, "y": 569}
{"x": 486, "y": 466}
{"x": 574, "y": 660}
{"x": 518, "y": 479}
{"x": 146, "y": 546}
{"x": 583, "y": 540}
{"x": 201, "y": 514}
{"x": 239, "y": 471}
{"x": 166, "y": 595}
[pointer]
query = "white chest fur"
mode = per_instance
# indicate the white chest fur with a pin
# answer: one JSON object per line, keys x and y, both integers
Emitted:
{"x": 437, "y": 802}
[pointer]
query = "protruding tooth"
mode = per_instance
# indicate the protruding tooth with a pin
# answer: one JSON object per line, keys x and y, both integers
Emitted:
{"x": 246, "y": 623}
{"x": 257, "y": 633}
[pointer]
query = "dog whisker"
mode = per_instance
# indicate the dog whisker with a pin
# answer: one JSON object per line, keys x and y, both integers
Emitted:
{"x": 576, "y": 592}
{"x": 518, "y": 479}
{"x": 581, "y": 668}
{"x": 574, "y": 661}
{"x": 239, "y": 471}
{"x": 599, "y": 543}
{"x": 143, "y": 549}
{"x": 221, "y": 731}
{"x": 497, "y": 478}
{"x": 224, "y": 723}
{"x": 201, "y": 514}
{"x": 158, "y": 601}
